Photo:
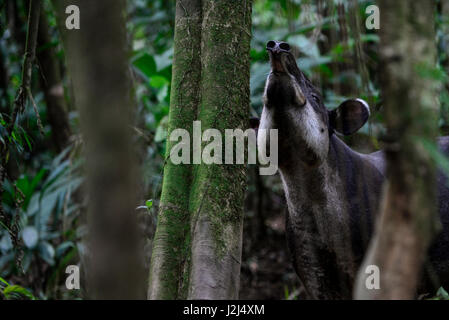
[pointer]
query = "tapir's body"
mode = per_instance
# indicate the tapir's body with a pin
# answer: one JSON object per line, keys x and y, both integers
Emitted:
{"x": 333, "y": 193}
{"x": 317, "y": 234}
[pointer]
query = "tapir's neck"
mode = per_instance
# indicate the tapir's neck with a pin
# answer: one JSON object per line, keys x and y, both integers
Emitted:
{"x": 331, "y": 202}
{"x": 342, "y": 170}
{"x": 316, "y": 185}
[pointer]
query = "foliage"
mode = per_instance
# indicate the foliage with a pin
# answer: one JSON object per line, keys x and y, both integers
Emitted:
{"x": 441, "y": 295}
{"x": 14, "y": 292}
{"x": 44, "y": 213}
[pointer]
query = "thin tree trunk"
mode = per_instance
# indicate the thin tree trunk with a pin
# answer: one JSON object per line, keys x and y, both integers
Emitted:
{"x": 28, "y": 60}
{"x": 97, "y": 61}
{"x": 407, "y": 221}
{"x": 51, "y": 83}
{"x": 20, "y": 101}
{"x": 169, "y": 265}
{"x": 218, "y": 190}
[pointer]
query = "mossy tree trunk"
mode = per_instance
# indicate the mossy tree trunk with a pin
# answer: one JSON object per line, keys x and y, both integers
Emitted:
{"x": 98, "y": 64}
{"x": 218, "y": 190}
{"x": 197, "y": 247}
{"x": 407, "y": 221}
{"x": 171, "y": 241}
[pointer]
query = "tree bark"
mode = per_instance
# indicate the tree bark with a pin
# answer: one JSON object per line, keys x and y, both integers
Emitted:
{"x": 218, "y": 190}
{"x": 97, "y": 60}
{"x": 197, "y": 246}
{"x": 51, "y": 83}
{"x": 169, "y": 265}
{"x": 407, "y": 221}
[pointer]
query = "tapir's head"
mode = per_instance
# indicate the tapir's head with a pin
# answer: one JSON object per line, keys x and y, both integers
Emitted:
{"x": 295, "y": 107}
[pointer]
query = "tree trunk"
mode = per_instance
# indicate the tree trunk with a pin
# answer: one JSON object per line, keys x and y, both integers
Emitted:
{"x": 218, "y": 190}
{"x": 51, "y": 83}
{"x": 407, "y": 221}
{"x": 170, "y": 244}
{"x": 97, "y": 61}
{"x": 197, "y": 246}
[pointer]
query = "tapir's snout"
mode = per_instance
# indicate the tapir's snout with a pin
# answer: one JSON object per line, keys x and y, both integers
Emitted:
{"x": 279, "y": 53}
{"x": 277, "y": 46}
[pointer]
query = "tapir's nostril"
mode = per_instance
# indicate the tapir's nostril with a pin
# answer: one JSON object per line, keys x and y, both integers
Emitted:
{"x": 278, "y": 46}
{"x": 271, "y": 44}
{"x": 284, "y": 46}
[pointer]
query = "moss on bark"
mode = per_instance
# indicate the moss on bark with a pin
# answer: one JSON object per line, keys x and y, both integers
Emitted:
{"x": 197, "y": 246}
{"x": 171, "y": 242}
{"x": 218, "y": 190}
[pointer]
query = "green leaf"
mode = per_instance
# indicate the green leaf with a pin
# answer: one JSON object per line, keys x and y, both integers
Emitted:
{"x": 56, "y": 172}
{"x": 10, "y": 290}
{"x": 60, "y": 157}
{"x": 6, "y": 243}
{"x": 63, "y": 248}
{"x": 47, "y": 252}
{"x": 30, "y": 237}
{"x": 149, "y": 203}
{"x": 47, "y": 203}
{"x": 29, "y": 187}
{"x": 25, "y": 135}
{"x": 4, "y": 281}
{"x": 145, "y": 64}
{"x": 158, "y": 82}
{"x": 442, "y": 294}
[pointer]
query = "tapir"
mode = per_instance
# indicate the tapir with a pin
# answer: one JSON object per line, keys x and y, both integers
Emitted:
{"x": 332, "y": 192}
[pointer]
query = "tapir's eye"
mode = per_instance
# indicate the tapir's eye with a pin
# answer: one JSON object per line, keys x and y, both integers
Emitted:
{"x": 315, "y": 98}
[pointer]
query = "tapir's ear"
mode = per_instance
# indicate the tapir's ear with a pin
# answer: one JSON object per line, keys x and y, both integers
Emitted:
{"x": 350, "y": 116}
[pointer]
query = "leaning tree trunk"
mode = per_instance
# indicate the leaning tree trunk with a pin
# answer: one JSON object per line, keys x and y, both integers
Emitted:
{"x": 97, "y": 61}
{"x": 169, "y": 264}
{"x": 218, "y": 190}
{"x": 51, "y": 83}
{"x": 407, "y": 221}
